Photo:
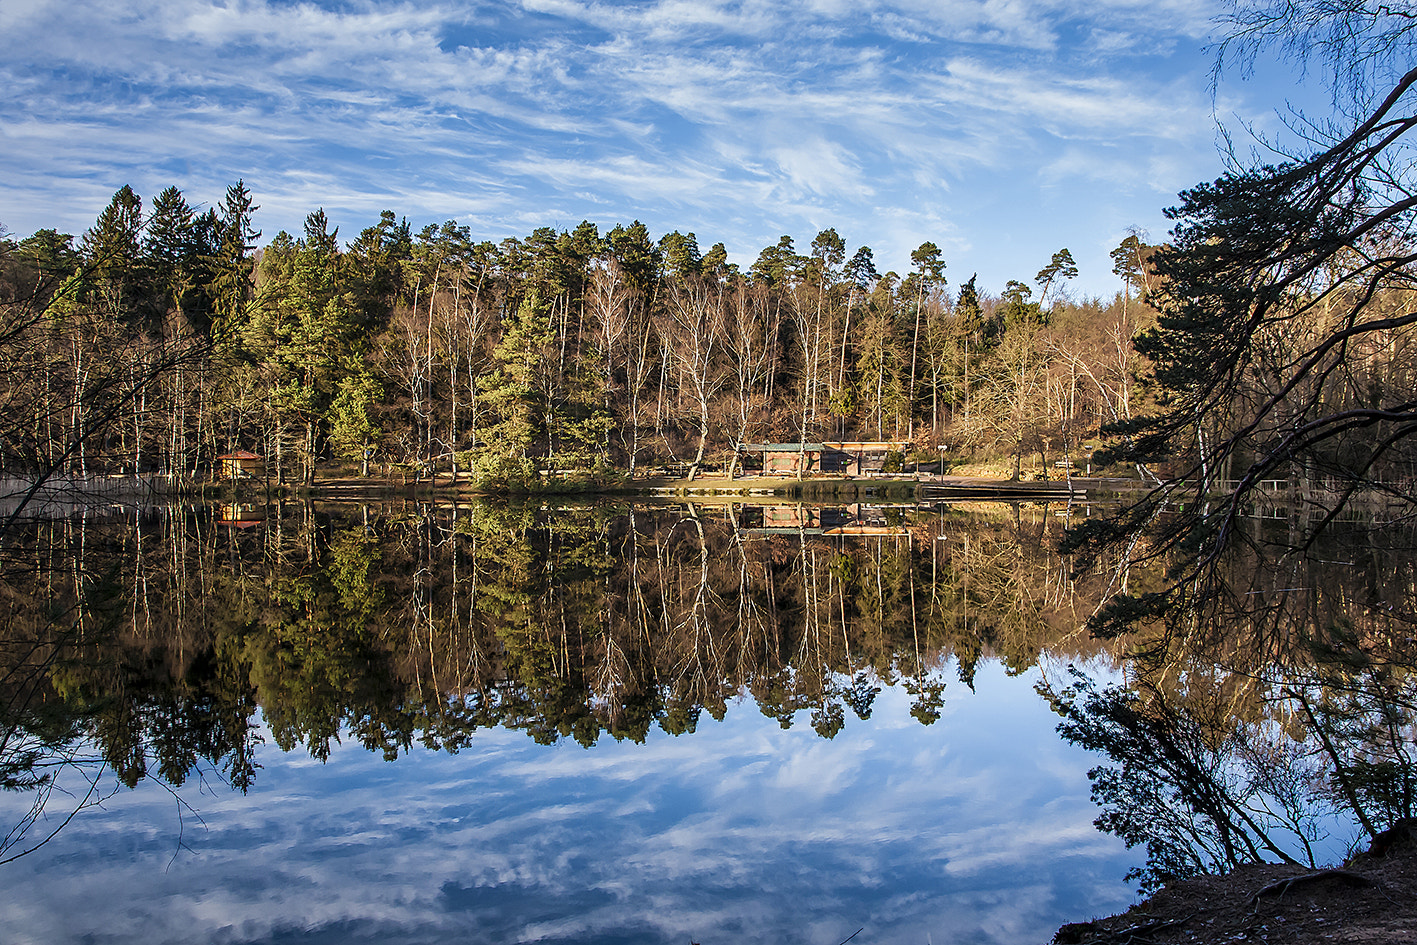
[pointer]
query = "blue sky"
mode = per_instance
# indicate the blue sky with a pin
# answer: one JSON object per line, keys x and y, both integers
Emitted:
{"x": 1001, "y": 130}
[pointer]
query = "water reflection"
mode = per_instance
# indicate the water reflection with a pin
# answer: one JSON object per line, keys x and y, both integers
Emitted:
{"x": 1272, "y": 717}
{"x": 426, "y": 624}
{"x": 801, "y": 647}
{"x": 859, "y": 683}
{"x": 744, "y": 832}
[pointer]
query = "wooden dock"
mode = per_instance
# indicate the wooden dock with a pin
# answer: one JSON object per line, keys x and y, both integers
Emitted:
{"x": 970, "y": 487}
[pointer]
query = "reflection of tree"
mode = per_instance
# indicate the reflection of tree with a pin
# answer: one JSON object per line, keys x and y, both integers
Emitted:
{"x": 1363, "y": 716}
{"x": 40, "y": 745}
{"x": 1236, "y": 736}
{"x": 404, "y": 623}
{"x": 1198, "y": 790}
{"x": 316, "y": 661}
{"x": 81, "y": 714}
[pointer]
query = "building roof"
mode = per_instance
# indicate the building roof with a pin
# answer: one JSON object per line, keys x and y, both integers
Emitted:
{"x": 239, "y": 454}
{"x": 860, "y": 446}
{"x": 782, "y": 447}
{"x": 847, "y": 446}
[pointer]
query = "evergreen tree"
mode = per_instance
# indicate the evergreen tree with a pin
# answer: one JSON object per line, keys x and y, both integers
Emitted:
{"x": 111, "y": 250}
{"x": 1060, "y": 269}
{"x": 232, "y": 268}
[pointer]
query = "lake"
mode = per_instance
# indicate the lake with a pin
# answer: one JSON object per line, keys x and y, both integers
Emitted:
{"x": 416, "y": 722}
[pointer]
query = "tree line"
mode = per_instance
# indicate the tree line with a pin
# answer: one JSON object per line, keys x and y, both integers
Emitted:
{"x": 166, "y": 336}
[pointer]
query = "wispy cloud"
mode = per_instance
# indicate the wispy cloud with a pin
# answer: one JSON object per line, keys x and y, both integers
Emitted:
{"x": 737, "y": 118}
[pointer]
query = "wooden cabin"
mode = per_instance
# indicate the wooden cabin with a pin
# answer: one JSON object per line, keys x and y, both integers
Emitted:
{"x": 843, "y": 458}
{"x": 239, "y": 465}
{"x": 859, "y": 457}
{"x": 785, "y": 459}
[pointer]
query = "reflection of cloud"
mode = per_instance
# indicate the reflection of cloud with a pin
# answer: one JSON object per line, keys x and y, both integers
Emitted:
{"x": 740, "y": 829}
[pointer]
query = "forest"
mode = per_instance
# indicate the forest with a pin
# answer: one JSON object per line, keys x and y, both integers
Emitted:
{"x": 167, "y": 335}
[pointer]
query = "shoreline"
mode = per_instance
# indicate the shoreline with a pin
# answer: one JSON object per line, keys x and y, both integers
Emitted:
{"x": 913, "y": 488}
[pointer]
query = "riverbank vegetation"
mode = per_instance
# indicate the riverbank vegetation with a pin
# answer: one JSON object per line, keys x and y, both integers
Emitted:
{"x": 167, "y": 335}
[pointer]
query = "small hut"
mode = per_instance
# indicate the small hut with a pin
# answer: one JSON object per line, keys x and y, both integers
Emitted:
{"x": 781, "y": 459}
{"x": 859, "y": 457}
{"x": 239, "y": 465}
{"x": 849, "y": 458}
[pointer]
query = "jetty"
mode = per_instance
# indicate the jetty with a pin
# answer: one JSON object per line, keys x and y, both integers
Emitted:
{"x": 964, "y": 487}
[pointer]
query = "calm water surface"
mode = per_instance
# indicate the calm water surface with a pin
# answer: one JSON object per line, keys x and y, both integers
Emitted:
{"x": 976, "y": 827}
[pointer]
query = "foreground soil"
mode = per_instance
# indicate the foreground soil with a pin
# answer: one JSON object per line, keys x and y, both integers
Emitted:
{"x": 1372, "y": 900}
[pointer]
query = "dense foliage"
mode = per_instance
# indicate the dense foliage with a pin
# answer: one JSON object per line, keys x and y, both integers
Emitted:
{"x": 167, "y": 337}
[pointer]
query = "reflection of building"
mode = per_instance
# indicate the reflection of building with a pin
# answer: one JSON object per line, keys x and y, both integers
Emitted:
{"x": 846, "y": 457}
{"x": 818, "y": 520}
{"x": 773, "y": 519}
{"x": 239, "y": 465}
{"x": 238, "y": 515}
{"x": 867, "y": 528}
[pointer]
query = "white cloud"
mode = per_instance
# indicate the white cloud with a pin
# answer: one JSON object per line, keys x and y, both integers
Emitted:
{"x": 739, "y": 119}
